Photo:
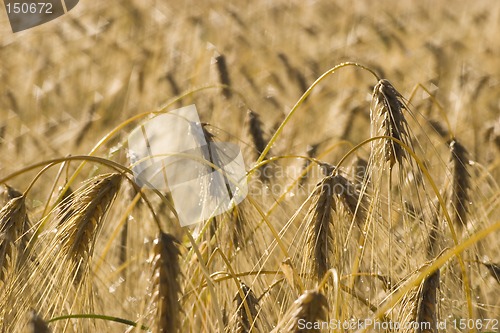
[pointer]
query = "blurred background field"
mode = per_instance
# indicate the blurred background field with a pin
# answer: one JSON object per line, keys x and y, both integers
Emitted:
{"x": 67, "y": 83}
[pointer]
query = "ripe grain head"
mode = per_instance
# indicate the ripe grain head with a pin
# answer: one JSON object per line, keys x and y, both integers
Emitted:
{"x": 166, "y": 283}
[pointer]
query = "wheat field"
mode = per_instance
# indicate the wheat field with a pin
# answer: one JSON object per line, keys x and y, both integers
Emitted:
{"x": 370, "y": 133}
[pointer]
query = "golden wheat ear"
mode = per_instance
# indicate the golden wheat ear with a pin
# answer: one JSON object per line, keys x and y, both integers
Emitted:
{"x": 14, "y": 234}
{"x": 166, "y": 283}
{"x": 246, "y": 324}
{"x": 427, "y": 304}
{"x": 37, "y": 324}
{"x": 319, "y": 235}
{"x": 388, "y": 120}
{"x": 310, "y": 307}
{"x": 461, "y": 182}
{"x": 77, "y": 233}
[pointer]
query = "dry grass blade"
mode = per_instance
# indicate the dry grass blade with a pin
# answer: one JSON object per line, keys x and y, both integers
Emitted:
{"x": 14, "y": 227}
{"x": 37, "y": 324}
{"x": 427, "y": 305}
{"x": 244, "y": 323}
{"x": 387, "y": 116}
{"x": 166, "y": 281}
{"x": 310, "y": 307}
{"x": 319, "y": 227}
{"x": 89, "y": 206}
{"x": 461, "y": 182}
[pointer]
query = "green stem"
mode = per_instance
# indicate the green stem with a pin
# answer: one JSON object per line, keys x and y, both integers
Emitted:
{"x": 98, "y": 316}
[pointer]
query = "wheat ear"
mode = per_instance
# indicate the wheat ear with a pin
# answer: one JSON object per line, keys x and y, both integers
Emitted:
{"x": 166, "y": 281}
{"x": 37, "y": 324}
{"x": 256, "y": 132}
{"x": 310, "y": 307}
{"x": 89, "y": 205}
{"x": 427, "y": 304}
{"x": 10, "y": 193}
{"x": 350, "y": 197}
{"x": 461, "y": 182}
{"x": 14, "y": 227}
{"x": 388, "y": 119}
{"x": 494, "y": 270}
{"x": 223, "y": 75}
{"x": 244, "y": 323}
{"x": 319, "y": 237}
